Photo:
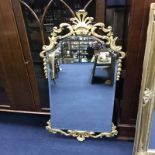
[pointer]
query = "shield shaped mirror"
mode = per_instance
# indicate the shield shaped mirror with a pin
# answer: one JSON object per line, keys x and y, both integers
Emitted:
{"x": 82, "y": 64}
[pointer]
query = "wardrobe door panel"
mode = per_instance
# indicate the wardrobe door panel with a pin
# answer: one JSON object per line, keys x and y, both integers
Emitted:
{"x": 13, "y": 63}
{"x": 38, "y": 26}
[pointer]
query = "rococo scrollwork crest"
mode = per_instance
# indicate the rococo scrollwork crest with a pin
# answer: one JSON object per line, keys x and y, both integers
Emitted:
{"x": 83, "y": 25}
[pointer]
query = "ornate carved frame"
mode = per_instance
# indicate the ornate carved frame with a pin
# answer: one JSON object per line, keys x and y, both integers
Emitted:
{"x": 81, "y": 25}
{"x": 81, "y": 135}
{"x": 147, "y": 94}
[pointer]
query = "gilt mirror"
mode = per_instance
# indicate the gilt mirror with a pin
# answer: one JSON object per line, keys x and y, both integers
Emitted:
{"x": 82, "y": 64}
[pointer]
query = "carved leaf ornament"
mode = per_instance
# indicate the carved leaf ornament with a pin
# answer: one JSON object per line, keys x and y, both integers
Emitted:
{"x": 82, "y": 25}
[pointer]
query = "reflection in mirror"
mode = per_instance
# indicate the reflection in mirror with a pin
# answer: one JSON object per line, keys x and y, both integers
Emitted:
{"x": 78, "y": 49}
{"x": 83, "y": 89}
{"x": 82, "y": 68}
{"x": 152, "y": 133}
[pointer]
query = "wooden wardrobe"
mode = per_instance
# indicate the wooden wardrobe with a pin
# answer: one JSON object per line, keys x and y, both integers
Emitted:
{"x": 23, "y": 87}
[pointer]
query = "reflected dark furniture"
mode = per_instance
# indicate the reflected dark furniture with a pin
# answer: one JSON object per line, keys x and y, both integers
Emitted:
{"x": 78, "y": 48}
{"x": 110, "y": 66}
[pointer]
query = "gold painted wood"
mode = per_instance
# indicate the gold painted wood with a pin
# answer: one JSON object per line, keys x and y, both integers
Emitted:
{"x": 81, "y": 135}
{"x": 147, "y": 94}
{"x": 82, "y": 25}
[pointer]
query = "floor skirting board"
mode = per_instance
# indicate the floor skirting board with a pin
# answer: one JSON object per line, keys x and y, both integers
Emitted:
{"x": 126, "y": 131}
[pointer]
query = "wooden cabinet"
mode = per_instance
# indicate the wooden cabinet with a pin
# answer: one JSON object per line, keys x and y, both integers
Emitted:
{"x": 23, "y": 87}
{"x": 127, "y": 108}
{"x": 15, "y": 66}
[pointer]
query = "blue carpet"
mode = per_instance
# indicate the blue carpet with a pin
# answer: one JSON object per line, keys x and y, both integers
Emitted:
{"x": 25, "y": 135}
{"x": 79, "y": 105}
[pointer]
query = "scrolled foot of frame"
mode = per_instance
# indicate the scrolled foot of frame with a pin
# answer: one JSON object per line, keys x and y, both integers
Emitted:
{"x": 82, "y": 135}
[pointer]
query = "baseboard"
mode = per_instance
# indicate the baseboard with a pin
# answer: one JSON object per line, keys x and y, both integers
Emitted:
{"x": 24, "y": 112}
{"x": 126, "y": 131}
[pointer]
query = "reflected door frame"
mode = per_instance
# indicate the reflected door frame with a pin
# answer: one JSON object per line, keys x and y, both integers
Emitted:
{"x": 147, "y": 97}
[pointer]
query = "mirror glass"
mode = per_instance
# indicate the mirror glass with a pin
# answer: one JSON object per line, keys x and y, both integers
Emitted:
{"x": 152, "y": 134}
{"x": 82, "y": 93}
